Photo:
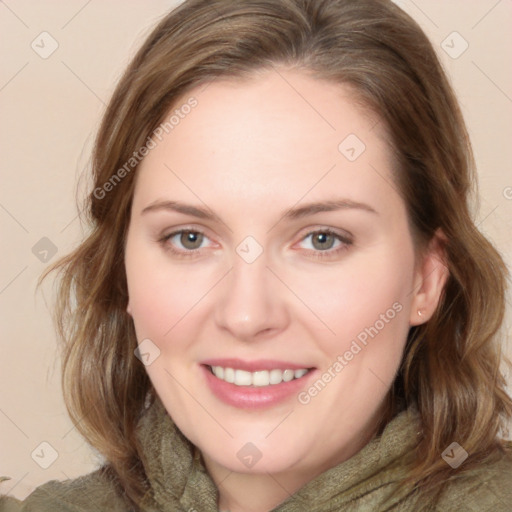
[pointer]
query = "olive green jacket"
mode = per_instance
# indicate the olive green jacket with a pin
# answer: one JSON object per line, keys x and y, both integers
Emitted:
{"x": 180, "y": 483}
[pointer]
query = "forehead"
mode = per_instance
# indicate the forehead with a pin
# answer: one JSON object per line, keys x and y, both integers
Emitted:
{"x": 271, "y": 139}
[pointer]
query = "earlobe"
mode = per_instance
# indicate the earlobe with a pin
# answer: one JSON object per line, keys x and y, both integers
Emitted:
{"x": 430, "y": 279}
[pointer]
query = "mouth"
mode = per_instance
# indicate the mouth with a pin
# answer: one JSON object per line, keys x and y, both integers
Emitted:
{"x": 262, "y": 378}
{"x": 256, "y": 384}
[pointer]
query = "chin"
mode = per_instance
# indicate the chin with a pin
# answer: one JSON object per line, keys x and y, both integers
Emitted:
{"x": 253, "y": 458}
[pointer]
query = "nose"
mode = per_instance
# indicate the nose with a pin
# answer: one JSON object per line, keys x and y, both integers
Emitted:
{"x": 251, "y": 303}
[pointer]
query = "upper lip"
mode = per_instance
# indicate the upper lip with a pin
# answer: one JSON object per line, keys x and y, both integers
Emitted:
{"x": 255, "y": 366}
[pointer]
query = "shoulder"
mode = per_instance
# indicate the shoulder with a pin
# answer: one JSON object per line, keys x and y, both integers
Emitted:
{"x": 87, "y": 493}
{"x": 487, "y": 487}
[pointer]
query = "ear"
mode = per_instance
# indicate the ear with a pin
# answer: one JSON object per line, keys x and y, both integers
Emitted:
{"x": 429, "y": 279}
{"x": 129, "y": 309}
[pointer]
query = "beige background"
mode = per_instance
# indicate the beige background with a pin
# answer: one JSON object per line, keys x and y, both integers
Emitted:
{"x": 50, "y": 109}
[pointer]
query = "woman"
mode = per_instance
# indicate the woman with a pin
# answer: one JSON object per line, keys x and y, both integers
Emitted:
{"x": 283, "y": 303}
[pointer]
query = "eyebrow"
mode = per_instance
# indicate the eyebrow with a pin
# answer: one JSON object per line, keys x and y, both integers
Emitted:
{"x": 291, "y": 214}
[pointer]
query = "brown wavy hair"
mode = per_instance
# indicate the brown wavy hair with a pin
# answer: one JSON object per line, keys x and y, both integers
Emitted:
{"x": 451, "y": 364}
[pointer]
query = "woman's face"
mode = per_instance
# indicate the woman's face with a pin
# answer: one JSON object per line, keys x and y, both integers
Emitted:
{"x": 267, "y": 238}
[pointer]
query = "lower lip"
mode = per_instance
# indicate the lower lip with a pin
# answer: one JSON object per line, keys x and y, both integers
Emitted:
{"x": 254, "y": 397}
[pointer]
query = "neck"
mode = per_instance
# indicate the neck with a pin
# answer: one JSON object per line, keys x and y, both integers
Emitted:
{"x": 262, "y": 492}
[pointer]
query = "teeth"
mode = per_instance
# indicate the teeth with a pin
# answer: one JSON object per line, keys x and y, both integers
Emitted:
{"x": 218, "y": 371}
{"x": 258, "y": 379}
{"x": 243, "y": 378}
{"x": 276, "y": 376}
{"x": 229, "y": 375}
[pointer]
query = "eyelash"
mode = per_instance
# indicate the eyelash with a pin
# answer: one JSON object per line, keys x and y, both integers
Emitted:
{"x": 329, "y": 253}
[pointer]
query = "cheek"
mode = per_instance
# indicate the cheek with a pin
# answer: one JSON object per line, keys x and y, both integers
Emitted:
{"x": 153, "y": 297}
{"x": 163, "y": 297}
{"x": 157, "y": 302}
{"x": 366, "y": 298}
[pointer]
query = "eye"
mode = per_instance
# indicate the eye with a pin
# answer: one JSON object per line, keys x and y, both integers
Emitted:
{"x": 190, "y": 241}
{"x": 326, "y": 243}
